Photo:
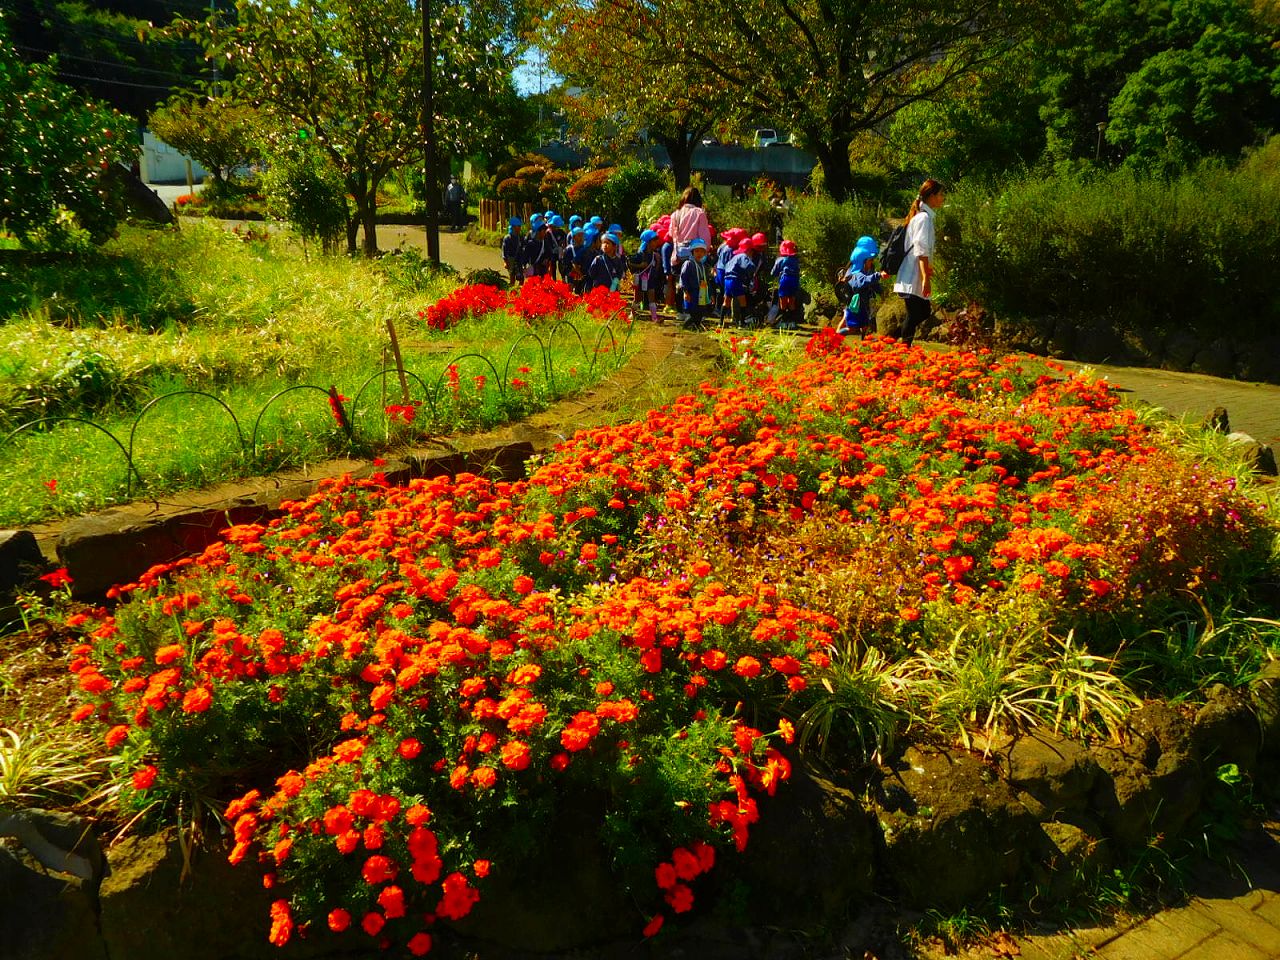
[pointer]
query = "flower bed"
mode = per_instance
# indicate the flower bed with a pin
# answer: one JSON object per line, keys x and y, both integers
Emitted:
{"x": 398, "y": 683}
{"x": 538, "y": 298}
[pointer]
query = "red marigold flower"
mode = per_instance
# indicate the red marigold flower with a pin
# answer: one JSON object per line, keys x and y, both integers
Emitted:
{"x": 116, "y": 735}
{"x": 349, "y": 751}
{"x": 378, "y": 869}
{"x": 680, "y": 896}
{"x": 417, "y": 815}
{"x": 419, "y": 944}
{"x": 459, "y": 897}
{"x": 337, "y": 820}
{"x": 484, "y": 777}
{"x": 559, "y": 761}
{"x": 339, "y": 920}
{"x": 82, "y": 713}
{"x": 523, "y": 585}
{"x": 747, "y": 667}
{"x": 281, "y": 923}
{"x": 409, "y": 748}
{"x": 52, "y": 485}
{"x": 391, "y": 900}
{"x": 706, "y": 855}
{"x": 373, "y": 923}
{"x": 197, "y": 700}
{"x": 664, "y": 874}
{"x": 482, "y": 867}
{"x": 654, "y": 925}
{"x": 169, "y": 653}
{"x": 144, "y": 778}
{"x": 910, "y": 614}
{"x": 58, "y": 578}
{"x": 1100, "y": 588}
{"x": 651, "y": 660}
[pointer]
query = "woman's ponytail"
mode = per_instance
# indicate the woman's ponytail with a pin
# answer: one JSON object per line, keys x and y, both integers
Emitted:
{"x": 927, "y": 190}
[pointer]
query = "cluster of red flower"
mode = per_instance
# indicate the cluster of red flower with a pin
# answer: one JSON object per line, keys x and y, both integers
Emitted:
{"x": 539, "y": 298}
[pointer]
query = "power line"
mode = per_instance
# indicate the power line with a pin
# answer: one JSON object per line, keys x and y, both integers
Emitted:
{"x": 117, "y": 64}
{"x": 113, "y": 83}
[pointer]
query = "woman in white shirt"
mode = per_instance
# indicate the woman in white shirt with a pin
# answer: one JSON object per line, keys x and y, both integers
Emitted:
{"x": 916, "y": 273}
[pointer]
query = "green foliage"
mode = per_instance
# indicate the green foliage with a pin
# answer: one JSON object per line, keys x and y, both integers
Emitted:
{"x": 54, "y": 147}
{"x": 587, "y": 190}
{"x": 826, "y": 231}
{"x": 303, "y": 186}
{"x": 1141, "y": 253}
{"x": 219, "y": 134}
{"x": 624, "y": 191}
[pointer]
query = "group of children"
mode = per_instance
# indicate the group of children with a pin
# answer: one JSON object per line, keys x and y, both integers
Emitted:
{"x": 731, "y": 285}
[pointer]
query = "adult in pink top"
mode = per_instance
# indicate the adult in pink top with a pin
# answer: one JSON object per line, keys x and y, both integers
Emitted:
{"x": 688, "y": 223}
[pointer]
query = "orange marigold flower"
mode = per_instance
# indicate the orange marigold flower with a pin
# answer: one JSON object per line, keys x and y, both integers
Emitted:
{"x": 516, "y": 754}
{"x": 391, "y": 900}
{"x": 747, "y": 667}
{"x": 144, "y": 778}
{"x": 82, "y": 713}
{"x": 378, "y": 869}
{"x": 339, "y": 920}
{"x": 409, "y": 748}
{"x": 197, "y": 700}
{"x": 787, "y": 729}
{"x": 116, "y": 735}
{"x": 482, "y": 868}
{"x": 170, "y": 653}
{"x": 349, "y": 751}
{"x": 281, "y": 923}
{"x": 1100, "y": 588}
{"x": 484, "y": 777}
{"x": 459, "y": 897}
{"x": 417, "y": 815}
{"x": 523, "y": 585}
{"x": 337, "y": 820}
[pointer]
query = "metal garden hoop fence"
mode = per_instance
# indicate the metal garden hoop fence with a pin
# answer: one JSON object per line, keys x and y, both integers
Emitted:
{"x": 346, "y": 415}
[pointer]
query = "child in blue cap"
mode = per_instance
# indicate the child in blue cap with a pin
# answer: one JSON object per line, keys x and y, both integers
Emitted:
{"x": 864, "y": 282}
{"x": 607, "y": 268}
{"x": 559, "y": 237}
{"x": 647, "y": 275}
{"x": 539, "y": 249}
{"x": 570, "y": 272}
{"x": 513, "y": 250}
{"x": 695, "y": 285}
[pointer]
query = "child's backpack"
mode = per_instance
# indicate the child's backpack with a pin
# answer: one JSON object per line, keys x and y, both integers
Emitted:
{"x": 895, "y": 251}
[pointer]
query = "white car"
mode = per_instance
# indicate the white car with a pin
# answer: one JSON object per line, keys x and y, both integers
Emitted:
{"x": 766, "y": 137}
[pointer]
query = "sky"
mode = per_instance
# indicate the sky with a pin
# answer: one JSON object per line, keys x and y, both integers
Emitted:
{"x": 526, "y": 74}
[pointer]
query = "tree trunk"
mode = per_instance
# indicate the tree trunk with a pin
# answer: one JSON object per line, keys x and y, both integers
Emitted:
{"x": 369, "y": 219}
{"x": 353, "y": 228}
{"x": 836, "y": 172}
{"x": 680, "y": 152}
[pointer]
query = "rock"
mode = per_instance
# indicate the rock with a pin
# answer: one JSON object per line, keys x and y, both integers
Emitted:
{"x": 20, "y": 560}
{"x": 1226, "y": 729}
{"x": 139, "y": 200}
{"x": 45, "y": 916}
{"x": 1062, "y": 343}
{"x": 1058, "y": 774}
{"x": 561, "y": 897}
{"x": 1075, "y": 856}
{"x": 1264, "y": 692}
{"x": 1100, "y": 344}
{"x": 149, "y": 912}
{"x": 953, "y": 830}
{"x": 890, "y": 315}
{"x": 1258, "y": 457}
{"x": 1180, "y": 349}
{"x": 1259, "y": 360}
{"x": 60, "y": 840}
{"x": 1145, "y": 346}
{"x": 1216, "y": 359}
{"x": 1216, "y": 419}
{"x": 810, "y": 856}
{"x": 1151, "y": 785}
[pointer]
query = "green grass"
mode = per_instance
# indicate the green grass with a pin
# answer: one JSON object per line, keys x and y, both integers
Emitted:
{"x": 202, "y": 310}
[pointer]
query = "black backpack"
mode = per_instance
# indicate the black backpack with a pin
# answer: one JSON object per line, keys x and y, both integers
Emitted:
{"x": 895, "y": 251}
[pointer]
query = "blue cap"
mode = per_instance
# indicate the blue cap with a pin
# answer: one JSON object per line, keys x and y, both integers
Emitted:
{"x": 697, "y": 243}
{"x": 596, "y": 220}
{"x": 575, "y": 220}
{"x": 865, "y": 248}
{"x": 615, "y": 228}
{"x": 576, "y": 232}
{"x": 536, "y": 222}
{"x": 647, "y": 236}
{"x": 550, "y": 214}
{"x": 612, "y": 238}
{"x": 591, "y": 233}
{"x": 515, "y": 222}
{"x": 557, "y": 221}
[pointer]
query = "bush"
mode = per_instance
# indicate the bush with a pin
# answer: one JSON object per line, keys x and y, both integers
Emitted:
{"x": 825, "y": 232}
{"x": 1136, "y": 252}
{"x": 586, "y": 191}
{"x": 54, "y": 147}
{"x": 303, "y": 187}
{"x": 518, "y": 190}
{"x": 554, "y": 189}
{"x": 625, "y": 189}
{"x": 219, "y": 135}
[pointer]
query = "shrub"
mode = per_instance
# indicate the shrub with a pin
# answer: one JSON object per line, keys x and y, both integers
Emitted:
{"x": 625, "y": 189}
{"x": 219, "y": 135}
{"x": 1137, "y": 252}
{"x": 586, "y": 191}
{"x": 825, "y": 231}
{"x": 517, "y": 190}
{"x": 303, "y": 187}
{"x": 512, "y": 166}
{"x": 54, "y": 147}
{"x": 554, "y": 189}
{"x": 531, "y": 174}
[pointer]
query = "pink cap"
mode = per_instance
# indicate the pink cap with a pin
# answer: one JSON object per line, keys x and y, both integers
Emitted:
{"x": 787, "y": 248}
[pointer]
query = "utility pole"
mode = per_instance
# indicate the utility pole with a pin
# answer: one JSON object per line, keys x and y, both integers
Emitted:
{"x": 431, "y": 181}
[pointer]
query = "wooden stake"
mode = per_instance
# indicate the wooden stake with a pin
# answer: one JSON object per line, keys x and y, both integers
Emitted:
{"x": 395, "y": 352}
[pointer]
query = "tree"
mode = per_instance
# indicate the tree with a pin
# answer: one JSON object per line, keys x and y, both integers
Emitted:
{"x": 110, "y": 49}
{"x": 348, "y": 74}
{"x": 219, "y": 134}
{"x": 675, "y": 107}
{"x": 54, "y": 149}
{"x": 827, "y": 69}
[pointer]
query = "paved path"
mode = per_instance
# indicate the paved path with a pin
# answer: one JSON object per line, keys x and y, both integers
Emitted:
{"x": 1230, "y": 914}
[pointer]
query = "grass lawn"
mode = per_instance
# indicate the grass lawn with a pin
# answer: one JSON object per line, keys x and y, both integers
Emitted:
{"x": 243, "y": 322}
